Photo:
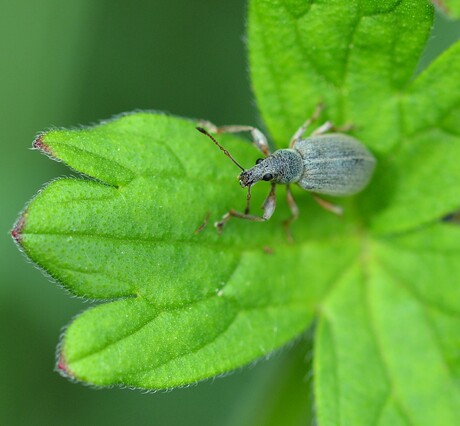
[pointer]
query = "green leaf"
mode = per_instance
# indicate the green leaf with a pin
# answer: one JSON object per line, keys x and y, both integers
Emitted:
{"x": 356, "y": 56}
{"x": 423, "y": 170}
{"x": 382, "y": 281}
{"x": 194, "y": 305}
{"x": 387, "y": 341}
{"x": 394, "y": 310}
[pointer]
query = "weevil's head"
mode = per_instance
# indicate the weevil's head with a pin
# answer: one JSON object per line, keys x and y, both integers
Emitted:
{"x": 283, "y": 166}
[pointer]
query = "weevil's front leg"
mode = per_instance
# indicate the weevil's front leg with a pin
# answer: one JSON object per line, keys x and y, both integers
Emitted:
{"x": 248, "y": 201}
{"x": 302, "y": 129}
{"x": 333, "y": 208}
{"x": 258, "y": 138}
{"x": 268, "y": 207}
{"x": 203, "y": 225}
{"x": 294, "y": 213}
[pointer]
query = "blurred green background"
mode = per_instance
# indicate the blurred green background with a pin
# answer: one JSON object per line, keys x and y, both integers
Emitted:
{"x": 76, "y": 62}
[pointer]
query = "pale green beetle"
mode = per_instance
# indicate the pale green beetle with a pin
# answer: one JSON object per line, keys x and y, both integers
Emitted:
{"x": 324, "y": 163}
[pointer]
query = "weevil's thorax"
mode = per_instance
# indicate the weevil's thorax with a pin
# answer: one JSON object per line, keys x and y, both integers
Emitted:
{"x": 283, "y": 166}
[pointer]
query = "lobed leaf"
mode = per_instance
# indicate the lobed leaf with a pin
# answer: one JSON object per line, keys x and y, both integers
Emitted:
{"x": 356, "y": 56}
{"x": 383, "y": 280}
{"x": 194, "y": 305}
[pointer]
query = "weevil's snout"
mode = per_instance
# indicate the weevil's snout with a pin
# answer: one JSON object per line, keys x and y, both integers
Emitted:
{"x": 245, "y": 179}
{"x": 283, "y": 166}
{"x": 263, "y": 170}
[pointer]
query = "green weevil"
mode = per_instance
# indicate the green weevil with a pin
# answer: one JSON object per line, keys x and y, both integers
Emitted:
{"x": 325, "y": 163}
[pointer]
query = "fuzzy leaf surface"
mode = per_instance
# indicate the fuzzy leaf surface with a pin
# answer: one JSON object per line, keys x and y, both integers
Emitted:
{"x": 394, "y": 309}
{"x": 382, "y": 280}
{"x": 185, "y": 306}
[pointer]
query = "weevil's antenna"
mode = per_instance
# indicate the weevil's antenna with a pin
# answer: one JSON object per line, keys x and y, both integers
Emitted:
{"x": 200, "y": 129}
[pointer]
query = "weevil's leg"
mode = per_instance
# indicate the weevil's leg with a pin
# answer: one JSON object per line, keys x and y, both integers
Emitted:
{"x": 328, "y": 205}
{"x": 324, "y": 128}
{"x": 204, "y": 224}
{"x": 268, "y": 207}
{"x": 258, "y": 138}
{"x": 248, "y": 201}
{"x": 345, "y": 128}
{"x": 269, "y": 204}
{"x": 329, "y": 126}
{"x": 302, "y": 129}
{"x": 294, "y": 213}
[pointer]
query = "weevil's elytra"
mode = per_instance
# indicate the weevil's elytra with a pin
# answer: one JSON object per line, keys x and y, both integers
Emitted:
{"x": 334, "y": 164}
{"x": 324, "y": 163}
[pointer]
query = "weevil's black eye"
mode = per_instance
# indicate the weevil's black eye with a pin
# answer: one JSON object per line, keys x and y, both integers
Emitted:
{"x": 259, "y": 160}
{"x": 267, "y": 176}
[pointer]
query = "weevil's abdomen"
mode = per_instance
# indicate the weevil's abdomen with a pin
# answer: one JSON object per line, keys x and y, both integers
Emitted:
{"x": 334, "y": 164}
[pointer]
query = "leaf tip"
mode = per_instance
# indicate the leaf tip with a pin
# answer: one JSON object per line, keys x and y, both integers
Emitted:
{"x": 16, "y": 232}
{"x": 62, "y": 367}
{"x": 39, "y": 144}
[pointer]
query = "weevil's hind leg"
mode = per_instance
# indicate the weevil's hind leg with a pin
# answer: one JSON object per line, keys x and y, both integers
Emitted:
{"x": 258, "y": 138}
{"x": 302, "y": 129}
{"x": 294, "y": 214}
{"x": 328, "y": 126}
{"x": 333, "y": 208}
{"x": 268, "y": 207}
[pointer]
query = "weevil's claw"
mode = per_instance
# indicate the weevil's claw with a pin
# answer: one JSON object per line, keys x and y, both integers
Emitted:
{"x": 219, "y": 226}
{"x": 221, "y": 223}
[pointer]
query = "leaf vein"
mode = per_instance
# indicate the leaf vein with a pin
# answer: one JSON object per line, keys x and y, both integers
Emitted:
{"x": 415, "y": 294}
{"x": 77, "y": 150}
{"x": 423, "y": 304}
{"x": 196, "y": 350}
{"x": 157, "y": 313}
{"x": 379, "y": 344}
